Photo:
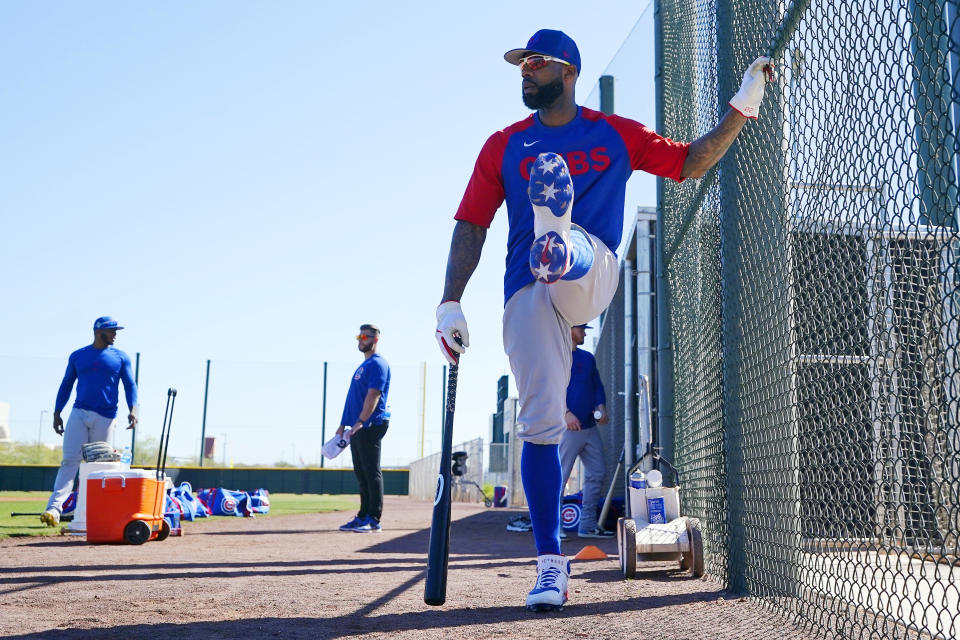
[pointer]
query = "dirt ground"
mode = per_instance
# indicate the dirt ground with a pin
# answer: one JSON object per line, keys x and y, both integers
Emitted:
{"x": 299, "y": 577}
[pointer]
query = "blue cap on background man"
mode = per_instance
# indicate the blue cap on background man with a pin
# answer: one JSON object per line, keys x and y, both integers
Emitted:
{"x": 582, "y": 326}
{"x": 548, "y": 42}
{"x": 105, "y": 322}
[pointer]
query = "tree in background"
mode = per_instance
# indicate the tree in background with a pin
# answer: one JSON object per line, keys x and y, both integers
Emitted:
{"x": 29, "y": 453}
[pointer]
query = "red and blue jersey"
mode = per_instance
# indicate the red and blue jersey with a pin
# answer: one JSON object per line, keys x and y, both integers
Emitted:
{"x": 601, "y": 152}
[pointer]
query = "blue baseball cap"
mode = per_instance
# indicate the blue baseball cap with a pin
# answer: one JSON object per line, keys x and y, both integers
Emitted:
{"x": 582, "y": 326}
{"x": 105, "y": 322}
{"x": 548, "y": 42}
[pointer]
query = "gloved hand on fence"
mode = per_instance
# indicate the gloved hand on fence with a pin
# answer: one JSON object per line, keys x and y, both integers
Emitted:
{"x": 450, "y": 322}
{"x": 755, "y": 78}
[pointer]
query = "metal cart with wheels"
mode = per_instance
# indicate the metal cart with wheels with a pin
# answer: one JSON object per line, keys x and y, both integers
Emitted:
{"x": 671, "y": 536}
{"x": 677, "y": 539}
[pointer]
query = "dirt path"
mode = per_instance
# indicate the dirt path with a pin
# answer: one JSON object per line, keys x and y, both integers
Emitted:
{"x": 299, "y": 577}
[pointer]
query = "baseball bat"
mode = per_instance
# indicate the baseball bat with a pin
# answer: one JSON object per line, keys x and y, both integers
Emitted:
{"x": 435, "y": 592}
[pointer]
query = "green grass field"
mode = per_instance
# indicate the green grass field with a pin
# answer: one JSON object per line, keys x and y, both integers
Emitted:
{"x": 35, "y": 501}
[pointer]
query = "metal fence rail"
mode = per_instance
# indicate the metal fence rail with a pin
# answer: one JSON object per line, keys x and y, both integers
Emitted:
{"x": 813, "y": 294}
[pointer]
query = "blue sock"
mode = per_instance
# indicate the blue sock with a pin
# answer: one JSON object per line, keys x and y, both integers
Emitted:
{"x": 582, "y": 249}
{"x": 542, "y": 477}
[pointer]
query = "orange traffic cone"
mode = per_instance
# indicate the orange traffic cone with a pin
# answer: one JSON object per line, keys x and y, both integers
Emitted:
{"x": 590, "y": 552}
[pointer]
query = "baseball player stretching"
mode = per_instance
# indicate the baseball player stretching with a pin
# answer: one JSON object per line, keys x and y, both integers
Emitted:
{"x": 563, "y": 172}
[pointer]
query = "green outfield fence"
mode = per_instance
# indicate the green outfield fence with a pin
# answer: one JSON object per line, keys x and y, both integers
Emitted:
{"x": 329, "y": 481}
{"x": 813, "y": 303}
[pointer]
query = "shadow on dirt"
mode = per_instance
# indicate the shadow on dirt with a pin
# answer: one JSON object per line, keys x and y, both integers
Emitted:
{"x": 364, "y": 621}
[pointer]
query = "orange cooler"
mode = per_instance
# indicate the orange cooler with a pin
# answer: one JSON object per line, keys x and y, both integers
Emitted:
{"x": 126, "y": 506}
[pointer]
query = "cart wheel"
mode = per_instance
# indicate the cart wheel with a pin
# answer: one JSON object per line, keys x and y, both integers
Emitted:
{"x": 137, "y": 532}
{"x": 620, "y": 540}
{"x": 164, "y": 532}
{"x": 692, "y": 560}
{"x": 627, "y": 546}
{"x": 487, "y": 502}
{"x": 686, "y": 555}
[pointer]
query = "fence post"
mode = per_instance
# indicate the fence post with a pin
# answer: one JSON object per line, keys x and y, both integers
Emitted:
{"x": 663, "y": 381}
{"x": 323, "y": 423}
{"x": 606, "y": 95}
{"x": 933, "y": 129}
{"x": 133, "y": 432}
{"x": 203, "y": 425}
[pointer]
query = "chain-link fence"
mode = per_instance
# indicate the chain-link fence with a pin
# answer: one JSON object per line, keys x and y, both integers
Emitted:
{"x": 814, "y": 307}
{"x": 467, "y": 487}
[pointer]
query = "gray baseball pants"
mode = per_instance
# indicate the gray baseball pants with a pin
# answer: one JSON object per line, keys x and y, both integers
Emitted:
{"x": 536, "y": 339}
{"x": 82, "y": 426}
{"x": 587, "y": 444}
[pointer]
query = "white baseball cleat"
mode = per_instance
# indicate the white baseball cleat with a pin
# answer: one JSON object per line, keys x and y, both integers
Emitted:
{"x": 550, "y": 592}
{"x": 50, "y": 517}
{"x": 551, "y": 195}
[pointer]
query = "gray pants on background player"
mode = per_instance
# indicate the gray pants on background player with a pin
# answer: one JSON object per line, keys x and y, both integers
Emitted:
{"x": 82, "y": 427}
{"x": 587, "y": 444}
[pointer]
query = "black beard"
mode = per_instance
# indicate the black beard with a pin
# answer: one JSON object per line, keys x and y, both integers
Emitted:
{"x": 545, "y": 96}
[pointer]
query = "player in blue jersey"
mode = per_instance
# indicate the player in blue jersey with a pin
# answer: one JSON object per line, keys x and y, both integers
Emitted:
{"x": 562, "y": 172}
{"x": 585, "y": 397}
{"x": 98, "y": 370}
{"x": 365, "y": 413}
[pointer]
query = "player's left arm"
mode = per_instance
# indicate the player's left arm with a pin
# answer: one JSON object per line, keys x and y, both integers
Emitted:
{"x": 129, "y": 390}
{"x": 599, "y": 397}
{"x": 708, "y": 149}
{"x": 369, "y": 406}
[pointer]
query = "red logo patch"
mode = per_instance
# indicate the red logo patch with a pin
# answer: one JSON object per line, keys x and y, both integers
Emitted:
{"x": 579, "y": 162}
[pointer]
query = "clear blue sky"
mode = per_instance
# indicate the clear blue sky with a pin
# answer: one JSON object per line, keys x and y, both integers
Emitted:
{"x": 248, "y": 183}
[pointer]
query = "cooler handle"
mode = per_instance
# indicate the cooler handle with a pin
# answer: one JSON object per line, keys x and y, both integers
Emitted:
{"x": 123, "y": 481}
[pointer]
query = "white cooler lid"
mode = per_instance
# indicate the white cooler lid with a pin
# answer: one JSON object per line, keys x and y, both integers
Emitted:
{"x": 123, "y": 473}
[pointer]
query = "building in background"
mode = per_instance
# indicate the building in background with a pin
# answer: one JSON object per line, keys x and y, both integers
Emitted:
{"x": 5, "y": 422}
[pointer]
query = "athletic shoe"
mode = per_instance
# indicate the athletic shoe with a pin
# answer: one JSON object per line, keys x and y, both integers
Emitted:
{"x": 596, "y": 532}
{"x": 352, "y": 525}
{"x": 50, "y": 517}
{"x": 550, "y": 592}
{"x": 563, "y": 534}
{"x": 551, "y": 195}
{"x": 370, "y": 525}
{"x": 521, "y": 524}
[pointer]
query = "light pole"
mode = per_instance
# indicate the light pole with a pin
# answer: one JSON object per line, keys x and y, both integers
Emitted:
{"x": 40, "y": 430}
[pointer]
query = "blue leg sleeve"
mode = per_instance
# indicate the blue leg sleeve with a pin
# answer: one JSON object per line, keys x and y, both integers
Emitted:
{"x": 582, "y": 248}
{"x": 542, "y": 477}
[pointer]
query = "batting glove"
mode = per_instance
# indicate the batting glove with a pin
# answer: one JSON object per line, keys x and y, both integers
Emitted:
{"x": 450, "y": 323}
{"x": 755, "y": 78}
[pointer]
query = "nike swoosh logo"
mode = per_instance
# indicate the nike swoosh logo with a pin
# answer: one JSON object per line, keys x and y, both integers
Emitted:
{"x": 530, "y": 144}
